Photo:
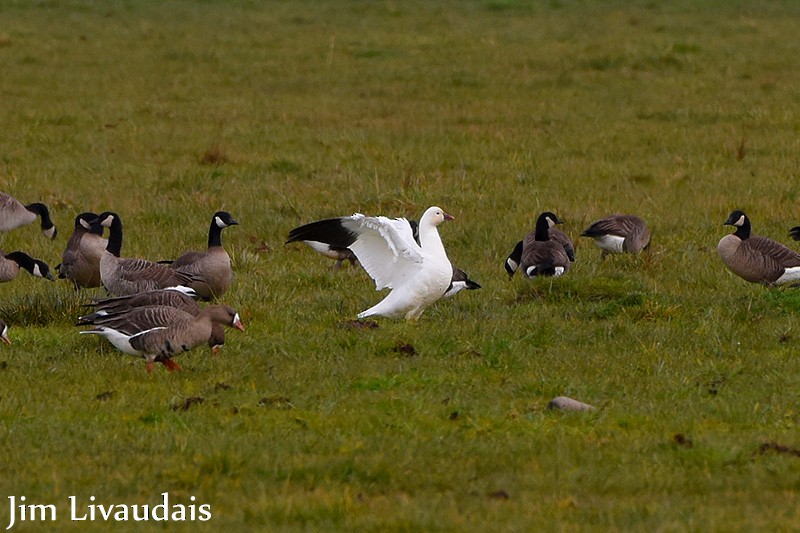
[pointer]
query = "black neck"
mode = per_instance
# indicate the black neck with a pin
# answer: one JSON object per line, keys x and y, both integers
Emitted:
{"x": 41, "y": 210}
{"x": 743, "y": 231}
{"x": 115, "y": 237}
{"x": 22, "y": 259}
{"x": 214, "y": 234}
{"x": 542, "y": 229}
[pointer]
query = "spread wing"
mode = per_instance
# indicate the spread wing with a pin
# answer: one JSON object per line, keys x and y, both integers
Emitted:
{"x": 385, "y": 248}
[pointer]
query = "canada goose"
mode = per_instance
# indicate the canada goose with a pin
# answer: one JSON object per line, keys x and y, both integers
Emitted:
{"x": 212, "y": 266}
{"x": 459, "y": 282}
{"x": 80, "y": 262}
{"x": 4, "y": 332}
{"x": 10, "y": 265}
{"x": 618, "y": 234}
{"x": 159, "y": 333}
{"x": 757, "y": 259}
{"x": 14, "y": 214}
{"x": 126, "y": 276}
{"x": 514, "y": 259}
{"x": 539, "y": 254}
{"x": 417, "y": 274}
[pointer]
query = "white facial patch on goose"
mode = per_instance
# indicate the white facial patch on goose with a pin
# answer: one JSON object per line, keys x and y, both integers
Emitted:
{"x": 50, "y": 232}
{"x": 85, "y": 224}
{"x": 550, "y": 222}
{"x": 610, "y": 243}
{"x": 739, "y": 222}
{"x": 218, "y": 221}
{"x": 513, "y": 265}
{"x": 36, "y": 271}
{"x": 107, "y": 221}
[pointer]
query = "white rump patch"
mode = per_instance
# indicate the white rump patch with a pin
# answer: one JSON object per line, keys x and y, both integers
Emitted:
{"x": 790, "y": 274}
{"x": 610, "y": 243}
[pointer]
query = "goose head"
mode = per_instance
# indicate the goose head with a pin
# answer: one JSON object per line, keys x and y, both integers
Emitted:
{"x": 739, "y": 220}
{"x": 543, "y": 224}
{"x": 86, "y": 222}
{"x": 35, "y": 267}
{"x": 223, "y": 314}
{"x": 107, "y": 219}
{"x": 434, "y": 216}
{"x": 223, "y": 219}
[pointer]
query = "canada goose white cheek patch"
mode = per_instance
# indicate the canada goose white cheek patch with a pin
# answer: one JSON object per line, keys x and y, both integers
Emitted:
{"x": 739, "y": 222}
{"x": 50, "y": 233}
{"x": 218, "y": 221}
{"x": 37, "y": 272}
{"x": 85, "y": 224}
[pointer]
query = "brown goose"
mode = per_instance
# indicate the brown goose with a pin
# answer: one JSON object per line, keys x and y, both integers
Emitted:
{"x": 4, "y": 332}
{"x": 212, "y": 266}
{"x": 110, "y": 311}
{"x": 757, "y": 259}
{"x": 542, "y": 253}
{"x": 126, "y": 276}
{"x": 80, "y": 262}
{"x": 170, "y": 297}
{"x": 10, "y": 265}
{"x": 158, "y": 333}
{"x": 14, "y": 214}
{"x": 514, "y": 259}
{"x": 618, "y": 234}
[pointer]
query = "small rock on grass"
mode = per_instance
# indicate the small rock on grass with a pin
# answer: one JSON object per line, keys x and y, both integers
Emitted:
{"x": 568, "y": 404}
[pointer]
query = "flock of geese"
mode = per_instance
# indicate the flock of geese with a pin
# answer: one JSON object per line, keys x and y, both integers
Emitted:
{"x": 152, "y": 310}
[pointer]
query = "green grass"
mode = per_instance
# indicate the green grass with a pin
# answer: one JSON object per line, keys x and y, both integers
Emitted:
{"x": 287, "y": 112}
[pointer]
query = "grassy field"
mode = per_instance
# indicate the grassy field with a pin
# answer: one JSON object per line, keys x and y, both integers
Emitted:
{"x": 286, "y": 112}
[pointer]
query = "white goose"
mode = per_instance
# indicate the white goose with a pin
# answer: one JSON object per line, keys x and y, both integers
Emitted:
{"x": 417, "y": 274}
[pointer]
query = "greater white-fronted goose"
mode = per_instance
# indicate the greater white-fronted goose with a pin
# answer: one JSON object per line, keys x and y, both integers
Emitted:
{"x": 158, "y": 333}
{"x": 757, "y": 259}
{"x": 10, "y": 265}
{"x": 80, "y": 262}
{"x": 126, "y": 276}
{"x": 459, "y": 282}
{"x": 417, "y": 274}
{"x": 212, "y": 266}
{"x": 618, "y": 234}
{"x": 14, "y": 214}
{"x": 539, "y": 254}
{"x": 513, "y": 260}
{"x": 4, "y": 332}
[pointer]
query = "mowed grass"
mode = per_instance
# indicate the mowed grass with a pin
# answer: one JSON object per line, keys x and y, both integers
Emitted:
{"x": 287, "y": 112}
